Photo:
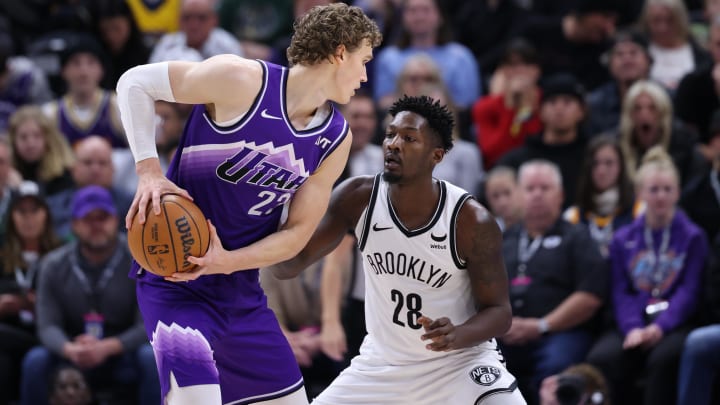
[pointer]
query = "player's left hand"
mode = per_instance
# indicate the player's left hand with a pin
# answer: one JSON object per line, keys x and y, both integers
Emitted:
{"x": 215, "y": 260}
{"x": 441, "y": 331}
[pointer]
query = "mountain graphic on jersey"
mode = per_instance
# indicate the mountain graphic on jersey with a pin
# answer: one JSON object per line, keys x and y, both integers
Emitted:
{"x": 262, "y": 165}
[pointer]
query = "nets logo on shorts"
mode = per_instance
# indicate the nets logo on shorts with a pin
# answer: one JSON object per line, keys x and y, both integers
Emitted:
{"x": 485, "y": 375}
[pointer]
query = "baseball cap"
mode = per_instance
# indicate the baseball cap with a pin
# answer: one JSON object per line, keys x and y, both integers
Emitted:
{"x": 91, "y": 198}
{"x": 563, "y": 84}
{"x": 28, "y": 189}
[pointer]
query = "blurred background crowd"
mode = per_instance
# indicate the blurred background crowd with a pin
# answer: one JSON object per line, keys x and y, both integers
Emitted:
{"x": 590, "y": 128}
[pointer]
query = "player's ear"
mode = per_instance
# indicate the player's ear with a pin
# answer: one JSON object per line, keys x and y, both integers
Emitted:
{"x": 340, "y": 53}
{"x": 438, "y": 155}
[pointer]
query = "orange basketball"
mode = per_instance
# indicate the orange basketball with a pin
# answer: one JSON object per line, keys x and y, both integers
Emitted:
{"x": 163, "y": 244}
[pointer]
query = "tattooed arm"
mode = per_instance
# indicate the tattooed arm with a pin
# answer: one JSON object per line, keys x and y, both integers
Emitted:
{"x": 479, "y": 243}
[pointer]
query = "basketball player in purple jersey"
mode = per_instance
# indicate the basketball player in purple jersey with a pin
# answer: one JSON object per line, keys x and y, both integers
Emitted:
{"x": 260, "y": 137}
{"x": 436, "y": 289}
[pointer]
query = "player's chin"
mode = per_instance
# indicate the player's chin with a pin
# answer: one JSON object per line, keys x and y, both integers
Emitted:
{"x": 391, "y": 176}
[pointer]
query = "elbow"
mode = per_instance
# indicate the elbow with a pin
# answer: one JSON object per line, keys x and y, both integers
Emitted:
{"x": 284, "y": 272}
{"x": 125, "y": 80}
{"x": 505, "y": 319}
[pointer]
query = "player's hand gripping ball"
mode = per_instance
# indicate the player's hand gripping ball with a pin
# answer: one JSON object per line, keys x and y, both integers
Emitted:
{"x": 163, "y": 243}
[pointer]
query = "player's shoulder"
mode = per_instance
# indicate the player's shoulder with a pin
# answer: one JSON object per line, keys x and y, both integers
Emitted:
{"x": 473, "y": 218}
{"x": 474, "y": 212}
{"x": 236, "y": 68}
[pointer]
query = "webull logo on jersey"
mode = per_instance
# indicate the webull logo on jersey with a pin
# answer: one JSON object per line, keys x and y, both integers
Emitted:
{"x": 485, "y": 375}
{"x": 254, "y": 167}
{"x": 409, "y": 266}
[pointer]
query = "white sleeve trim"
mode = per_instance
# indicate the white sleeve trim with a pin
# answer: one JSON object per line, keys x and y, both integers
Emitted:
{"x": 137, "y": 91}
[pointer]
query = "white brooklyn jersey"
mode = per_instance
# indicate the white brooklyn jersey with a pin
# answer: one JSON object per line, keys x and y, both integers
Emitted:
{"x": 410, "y": 273}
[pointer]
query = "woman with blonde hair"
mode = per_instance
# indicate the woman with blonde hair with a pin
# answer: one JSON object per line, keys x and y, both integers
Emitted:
{"x": 40, "y": 152}
{"x": 657, "y": 266}
{"x": 674, "y": 52}
{"x": 646, "y": 121}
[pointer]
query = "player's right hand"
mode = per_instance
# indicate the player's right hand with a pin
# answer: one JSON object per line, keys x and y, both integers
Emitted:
{"x": 152, "y": 184}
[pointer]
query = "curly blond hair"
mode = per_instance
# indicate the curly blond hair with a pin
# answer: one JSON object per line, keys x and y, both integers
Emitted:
{"x": 321, "y": 30}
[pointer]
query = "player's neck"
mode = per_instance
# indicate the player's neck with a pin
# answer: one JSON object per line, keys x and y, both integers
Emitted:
{"x": 415, "y": 202}
{"x": 305, "y": 91}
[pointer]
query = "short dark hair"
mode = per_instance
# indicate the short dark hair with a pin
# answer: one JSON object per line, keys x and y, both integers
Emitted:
{"x": 438, "y": 116}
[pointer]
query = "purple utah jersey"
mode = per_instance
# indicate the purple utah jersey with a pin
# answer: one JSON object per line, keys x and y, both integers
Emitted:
{"x": 240, "y": 176}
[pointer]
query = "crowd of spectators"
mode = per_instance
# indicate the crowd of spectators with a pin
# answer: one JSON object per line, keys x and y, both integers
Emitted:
{"x": 590, "y": 128}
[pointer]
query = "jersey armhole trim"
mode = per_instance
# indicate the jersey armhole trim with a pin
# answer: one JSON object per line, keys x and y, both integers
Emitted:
{"x": 338, "y": 141}
{"x": 453, "y": 230}
{"x": 362, "y": 239}
{"x": 239, "y": 123}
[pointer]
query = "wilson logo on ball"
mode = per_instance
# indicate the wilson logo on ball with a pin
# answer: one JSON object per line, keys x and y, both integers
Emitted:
{"x": 186, "y": 237}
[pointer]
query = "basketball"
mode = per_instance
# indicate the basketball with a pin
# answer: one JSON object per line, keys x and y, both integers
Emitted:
{"x": 163, "y": 244}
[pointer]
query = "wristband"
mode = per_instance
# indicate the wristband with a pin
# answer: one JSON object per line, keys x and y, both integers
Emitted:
{"x": 543, "y": 326}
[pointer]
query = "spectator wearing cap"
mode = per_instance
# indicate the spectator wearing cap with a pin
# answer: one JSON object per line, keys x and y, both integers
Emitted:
{"x": 647, "y": 120}
{"x": 199, "y": 36}
{"x": 562, "y": 111}
{"x": 701, "y": 196}
{"x": 87, "y": 314}
{"x": 674, "y": 51}
{"x": 21, "y": 82}
{"x": 28, "y": 239}
{"x": 698, "y": 94}
{"x": 628, "y": 61}
{"x": 511, "y": 112}
{"x": 85, "y": 108}
{"x": 575, "y": 41}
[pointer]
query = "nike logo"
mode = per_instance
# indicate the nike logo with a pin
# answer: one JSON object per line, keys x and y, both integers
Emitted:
{"x": 377, "y": 229}
{"x": 438, "y": 238}
{"x": 267, "y": 115}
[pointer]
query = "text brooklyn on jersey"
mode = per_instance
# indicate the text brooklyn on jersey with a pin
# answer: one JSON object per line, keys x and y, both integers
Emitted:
{"x": 407, "y": 266}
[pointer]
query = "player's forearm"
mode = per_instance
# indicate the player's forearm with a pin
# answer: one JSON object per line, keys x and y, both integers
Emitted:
{"x": 337, "y": 263}
{"x": 488, "y": 323}
{"x": 330, "y": 294}
{"x": 273, "y": 250}
{"x": 137, "y": 91}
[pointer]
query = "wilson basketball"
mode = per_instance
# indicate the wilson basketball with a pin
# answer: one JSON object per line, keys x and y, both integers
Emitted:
{"x": 163, "y": 244}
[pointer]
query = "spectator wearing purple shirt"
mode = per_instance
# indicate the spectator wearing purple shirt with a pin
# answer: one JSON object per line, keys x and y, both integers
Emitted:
{"x": 655, "y": 290}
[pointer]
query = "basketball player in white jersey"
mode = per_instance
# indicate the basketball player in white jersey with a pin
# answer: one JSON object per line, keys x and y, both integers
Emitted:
{"x": 436, "y": 287}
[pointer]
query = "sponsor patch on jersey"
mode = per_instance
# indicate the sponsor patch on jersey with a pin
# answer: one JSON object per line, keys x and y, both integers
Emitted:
{"x": 485, "y": 375}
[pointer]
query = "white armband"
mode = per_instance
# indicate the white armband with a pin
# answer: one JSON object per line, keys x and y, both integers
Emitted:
{"x": 137, "y": 91}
